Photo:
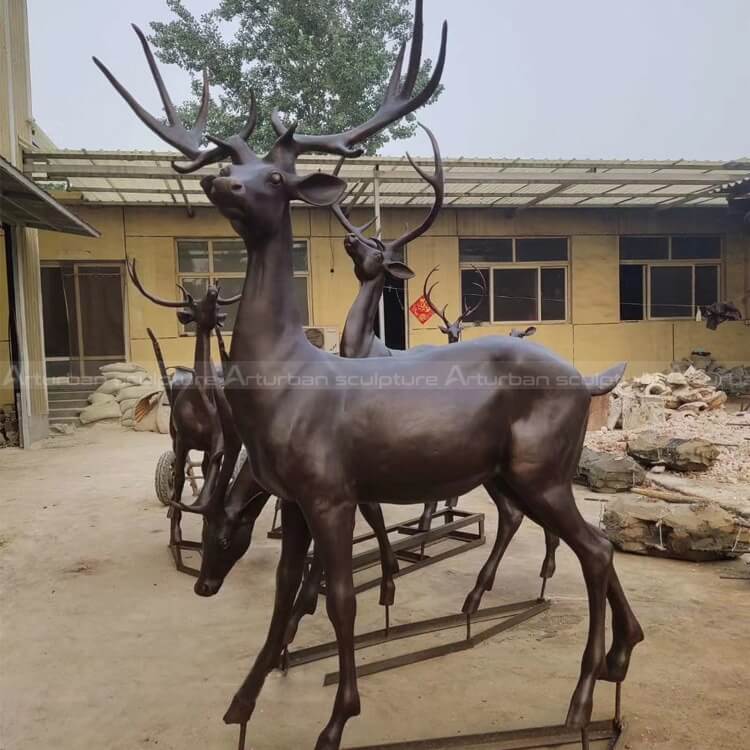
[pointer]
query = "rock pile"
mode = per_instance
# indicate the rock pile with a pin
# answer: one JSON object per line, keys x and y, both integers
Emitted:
{"x": 125, "y": 385}
{"x": 691, "y": 390}
{"x": 698, "y": 532}
{"x": 734, "y": 381}
{"x": 607, "y": 472}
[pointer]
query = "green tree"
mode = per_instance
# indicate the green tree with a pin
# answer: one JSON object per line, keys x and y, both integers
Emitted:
{"x": 324, "y": 63}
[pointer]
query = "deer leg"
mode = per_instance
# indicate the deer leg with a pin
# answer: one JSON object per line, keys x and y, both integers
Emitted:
{"x": 175, "y": 514}
{"x": 627, "y": 632}
{"x": 307, "y": 599}
{"x": 333, "y": 531}
{"x": 425, "y": 521}
{"x": 509, "y": 518}
{"x": 294, "y": 545}
{"x": 549, "y": 566}
{"x": 373, "y": 514}
{"x": 555, "y": 507}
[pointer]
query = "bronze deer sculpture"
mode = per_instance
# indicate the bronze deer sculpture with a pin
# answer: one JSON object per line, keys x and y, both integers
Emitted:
{"x": 194, "y": 416}
{"x": 509, "y": 515}
{"x": 330, "y": 449}
{"x": 373, "y": 260}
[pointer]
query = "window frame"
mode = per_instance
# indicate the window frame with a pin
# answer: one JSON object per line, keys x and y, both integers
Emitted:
{"x": 670, "y": 262}
{"x": 211, "y": 275}
{"x": 537, "y": 265}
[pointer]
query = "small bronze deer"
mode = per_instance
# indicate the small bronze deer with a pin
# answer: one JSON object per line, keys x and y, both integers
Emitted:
{"x": 193, "y": 397}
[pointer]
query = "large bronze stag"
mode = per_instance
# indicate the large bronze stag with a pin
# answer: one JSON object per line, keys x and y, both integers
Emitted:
{"x": 436, "y": 424}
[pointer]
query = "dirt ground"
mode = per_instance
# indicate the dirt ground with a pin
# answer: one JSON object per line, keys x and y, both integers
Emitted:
{"x": 105, "y": 645}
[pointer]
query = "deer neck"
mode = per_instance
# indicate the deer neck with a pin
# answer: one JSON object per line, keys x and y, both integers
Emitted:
{"x": 269, "y": 325}
{"x": 359, "y": 329}
{"x": 203, "y": 365}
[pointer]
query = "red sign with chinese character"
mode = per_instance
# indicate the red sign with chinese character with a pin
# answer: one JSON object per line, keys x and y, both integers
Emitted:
{"x": 421, "y": 310}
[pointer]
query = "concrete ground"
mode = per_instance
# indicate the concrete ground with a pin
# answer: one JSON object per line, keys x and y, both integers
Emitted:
{"x": 105, "y": 645}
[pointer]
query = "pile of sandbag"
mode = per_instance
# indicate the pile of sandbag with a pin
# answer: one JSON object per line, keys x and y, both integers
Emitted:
{"x": 125, "y": 385}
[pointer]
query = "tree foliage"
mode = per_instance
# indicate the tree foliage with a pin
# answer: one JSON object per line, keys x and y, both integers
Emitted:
{"x": 324, "y": 63}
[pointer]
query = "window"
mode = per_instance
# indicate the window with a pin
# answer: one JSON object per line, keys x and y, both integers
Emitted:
{"x": 526, "y": 279}
{"x": 668, "y": 277}
{"x": 224, "y": 262}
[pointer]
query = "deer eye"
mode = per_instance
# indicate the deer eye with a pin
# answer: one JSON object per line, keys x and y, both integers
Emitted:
{"x": 276, "y": 178}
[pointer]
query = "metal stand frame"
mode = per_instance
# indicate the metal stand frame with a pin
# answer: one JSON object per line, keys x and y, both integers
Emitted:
{"x": 523, "y": 739}
{"x": 515, "y": 614}
{"x": 176, "y": 543}
{"x": 275, "y": 532}
{"x": 533, "y": 738}
{"x": 411, "y": 548}
{"x": 523, "y": 611}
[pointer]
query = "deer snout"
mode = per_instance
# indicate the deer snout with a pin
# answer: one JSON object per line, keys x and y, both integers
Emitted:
{"x": 227, "y": 185}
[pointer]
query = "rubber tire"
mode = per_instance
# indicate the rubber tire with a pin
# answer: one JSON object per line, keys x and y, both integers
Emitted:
{"x": 164, "y": 477}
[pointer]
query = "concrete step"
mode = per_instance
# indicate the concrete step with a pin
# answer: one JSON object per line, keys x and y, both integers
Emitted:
{"x": 64, "y": 420}
{"x": 64, "y": 398}
{"x": 77, "y": 387}
{"x": 74, "y": 412}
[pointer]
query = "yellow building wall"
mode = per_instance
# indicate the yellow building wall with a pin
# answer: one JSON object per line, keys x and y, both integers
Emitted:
{"x": 593, "y": 337}
{"x": 6, "y": 380}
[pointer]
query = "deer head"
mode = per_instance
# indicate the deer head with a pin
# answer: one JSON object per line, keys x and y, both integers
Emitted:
{"x": 372, "y": 257}
{"x": 453, "y": 330}
{"x": 516, "y": 333}
{"x": 205, "y": 313}
{"x": 254, "y": 192}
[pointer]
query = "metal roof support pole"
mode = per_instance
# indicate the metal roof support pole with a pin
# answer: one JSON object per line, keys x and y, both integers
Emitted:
{"x": 379, "y": 233}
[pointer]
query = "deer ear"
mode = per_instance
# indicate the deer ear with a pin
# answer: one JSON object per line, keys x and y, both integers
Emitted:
{"x": 317, "y": 189}
{"x": 530, "y": 331}
{"x": 398, "y": 269}
{"x": 185, "y": 317}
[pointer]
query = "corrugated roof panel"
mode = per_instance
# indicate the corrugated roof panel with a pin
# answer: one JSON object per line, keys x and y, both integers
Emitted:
{"x": 591, "y": 189}
{"x": 602, "y": 201}
{"x": 636, "y": 189}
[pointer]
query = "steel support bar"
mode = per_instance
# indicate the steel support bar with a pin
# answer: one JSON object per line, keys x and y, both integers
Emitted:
{"x": 435, "y": 652}
{"x": 411, "y": 549}
{"x": 408, "y": 630}
{"x": 521, "y": 739}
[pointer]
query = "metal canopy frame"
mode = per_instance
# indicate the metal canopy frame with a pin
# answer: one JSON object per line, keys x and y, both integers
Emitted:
{"x": 147, "y": 178}
{"x": 24, "y": 203}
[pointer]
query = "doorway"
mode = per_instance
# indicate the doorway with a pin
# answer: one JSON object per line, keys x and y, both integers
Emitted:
{"x": 394, "y": 303}
{"x": 84, "y": 318}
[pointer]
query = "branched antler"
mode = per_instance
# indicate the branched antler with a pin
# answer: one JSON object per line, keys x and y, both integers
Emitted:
{"x": 174, "y": 132}
{"x": 187, "y": 301}
{"x": 398, "y": 102}
{"x": 436, "y": 181}
{"x": 482, "y": 286}
{"x": 427, "y": 294}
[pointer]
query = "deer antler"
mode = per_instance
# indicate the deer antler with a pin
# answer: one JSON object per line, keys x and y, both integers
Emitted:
{"x": 483, "y": 288}
{"x": 396, "y": 104}
{"x": 174, "y": 132}
{"x": 427, "y": 294}
{"x": 186, "y": 302}
{"x": 437, "y": 181}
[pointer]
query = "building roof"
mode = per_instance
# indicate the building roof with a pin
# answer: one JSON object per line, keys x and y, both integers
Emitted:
{"x": 24, "y": 203}
{"x": 147, "y": 178}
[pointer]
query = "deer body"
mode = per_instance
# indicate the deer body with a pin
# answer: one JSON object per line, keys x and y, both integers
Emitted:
{"x": 331, "y": 448}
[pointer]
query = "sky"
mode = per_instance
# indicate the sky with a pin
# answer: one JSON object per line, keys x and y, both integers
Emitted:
{"x": 550, "y": 79}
